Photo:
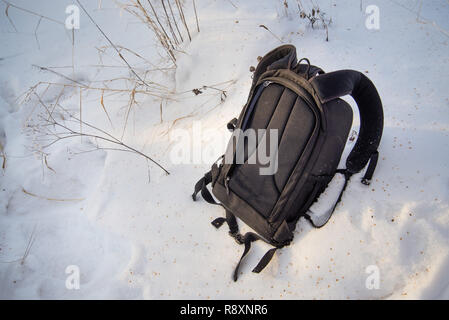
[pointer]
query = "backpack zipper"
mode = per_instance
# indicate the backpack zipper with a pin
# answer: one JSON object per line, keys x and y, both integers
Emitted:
{"x": 254, "y": 100}
{"x": 253, "y": 103}
{"x": 289, "y": 84}
{"x": 306, "y": 152}
{"x": 245, "y": 120}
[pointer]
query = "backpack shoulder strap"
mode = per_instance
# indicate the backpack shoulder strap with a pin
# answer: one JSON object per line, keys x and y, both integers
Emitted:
{"x": 336, "y": 84}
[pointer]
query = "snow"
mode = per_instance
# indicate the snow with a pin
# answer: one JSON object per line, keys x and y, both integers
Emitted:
{"x": 134, "y": 232}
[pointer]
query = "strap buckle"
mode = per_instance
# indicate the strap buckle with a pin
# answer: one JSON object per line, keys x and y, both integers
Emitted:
{"x": 366, "y": 180}
{"x": 226, "y": 183}
{"x": 232, "y": 124}
{"x": 237, "y": 237}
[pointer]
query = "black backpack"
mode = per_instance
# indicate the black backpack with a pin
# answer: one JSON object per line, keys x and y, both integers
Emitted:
{"x": 303, "y": 103}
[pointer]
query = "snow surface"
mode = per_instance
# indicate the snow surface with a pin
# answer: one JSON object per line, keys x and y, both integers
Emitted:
{"x": 135, "y": 232}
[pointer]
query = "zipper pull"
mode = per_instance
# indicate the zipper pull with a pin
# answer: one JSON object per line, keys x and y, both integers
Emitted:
{"x": 226, "y": 183}
{"x": 267, "y": 83}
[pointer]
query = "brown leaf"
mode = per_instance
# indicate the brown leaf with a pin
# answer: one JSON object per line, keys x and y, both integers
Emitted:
{"x": 197, "y": 91}
{"x": 104, "y": 108}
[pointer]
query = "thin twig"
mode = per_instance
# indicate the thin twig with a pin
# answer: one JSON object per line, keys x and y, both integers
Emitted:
{"x": 266, "y": 28}
{"x": 112, "y": 44}
{"x": 132, "y": 100}
{"x": 169, "y": 23}
{"x": 29, "y": 244}
{"x": 232, "y": 4}
{"x": 183, "y": 19}
{"x": 9, "y": 4}
{"x": 160, "y": 24}
{"x": 32, "y": 89}
{"x": 59, "y": 74}
{"x": 104, "y": 108}
{"x": 196, "y": 16}
{"x": 49, "y": 199}
{"x": 152, "y": 25}
{"x": 9, "y": 18}
{"x": 81, "y": 112}
{"x": 35, "y": 33}
{"x": 70, "y": 133}
{"x": 160, "y": 109}
{"x": 174, "y": 18}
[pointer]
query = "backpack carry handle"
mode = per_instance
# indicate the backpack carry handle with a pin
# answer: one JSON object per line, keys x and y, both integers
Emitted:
{"x": 336, "y": 84}
{"x": 283, "y": 57}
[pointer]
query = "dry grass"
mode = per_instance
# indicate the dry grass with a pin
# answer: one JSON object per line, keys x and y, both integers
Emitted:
{"x": 32, "y": 13}
{"x": 314, "y": 15}
{"x": 3, "y": 155}
{"x": 50, "y": 122}
{"x": 49, "y": 198}
{"x": 162, "y": 20}
{"x": 112, "y": 45}
{"x": 28, "y": 247}
{"x": 58, "y": 124}
{"x": 274, "y": 35}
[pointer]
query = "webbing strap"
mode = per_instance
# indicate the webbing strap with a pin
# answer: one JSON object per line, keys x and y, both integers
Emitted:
{"x": 321, "y": 221}
{"x": 230, "y": 219}
{"x": 201, "y": 185}
{"x": 366, "y": 180}
{"x": 307, "y": 70}
{"x": 232, "y": 224}
{"x": 246, "y": 239}
{"x": 265, "y": 260}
